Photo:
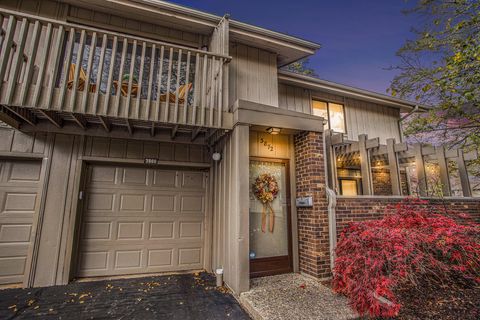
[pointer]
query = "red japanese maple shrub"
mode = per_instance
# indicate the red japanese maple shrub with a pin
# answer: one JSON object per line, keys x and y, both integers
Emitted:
{"x": 414, "y": 241}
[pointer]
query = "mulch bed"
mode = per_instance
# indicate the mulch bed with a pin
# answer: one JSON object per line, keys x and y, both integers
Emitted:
{"x": 458, "y": 301}
{"x": 445, "y": 302}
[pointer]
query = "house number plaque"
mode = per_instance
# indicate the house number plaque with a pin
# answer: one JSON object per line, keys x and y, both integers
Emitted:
{"x": 150, "y": 161}
{"x": 266, "y": 144}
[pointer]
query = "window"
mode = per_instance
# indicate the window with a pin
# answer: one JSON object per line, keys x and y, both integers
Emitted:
{"x": 349, "y": 187}
{"x": 332, "y": 112}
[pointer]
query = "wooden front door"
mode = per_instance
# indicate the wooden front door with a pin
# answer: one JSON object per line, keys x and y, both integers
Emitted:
{"x": 270, "y": 218}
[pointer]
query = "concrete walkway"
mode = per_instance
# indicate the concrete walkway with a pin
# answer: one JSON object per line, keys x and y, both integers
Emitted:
{"x": 294, "y": 296}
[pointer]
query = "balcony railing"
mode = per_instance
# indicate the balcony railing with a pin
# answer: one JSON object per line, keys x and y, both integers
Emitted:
{"x": 47, "y": 65}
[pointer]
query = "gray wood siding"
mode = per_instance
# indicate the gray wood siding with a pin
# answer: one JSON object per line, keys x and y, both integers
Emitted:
{"x": 230, "y": 210}
{"x": 253, "y": 75}
{"x": 293, "y": 98}
{"x": 115, "y": 22}
{"x": 131, "y": 26}
{"x": 13, "y": 141}
{"x": 45, "y": 8}
{"x": 130, "y": 149}
{"x": 362, "y": 117}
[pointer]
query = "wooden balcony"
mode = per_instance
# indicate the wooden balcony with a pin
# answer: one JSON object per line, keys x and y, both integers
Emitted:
{"x": 67, "y": 73}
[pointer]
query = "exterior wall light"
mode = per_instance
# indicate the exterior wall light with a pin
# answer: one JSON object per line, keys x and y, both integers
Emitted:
{"x": 217, "y": 156}
{"x": 273, "y": 130}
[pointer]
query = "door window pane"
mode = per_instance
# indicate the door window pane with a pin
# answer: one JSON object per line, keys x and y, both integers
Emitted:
{"x": 272, "y": 241}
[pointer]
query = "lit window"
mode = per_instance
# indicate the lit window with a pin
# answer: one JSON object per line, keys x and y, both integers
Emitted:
{"x": 332, "y": 112}
{"x": 348, "y": 187}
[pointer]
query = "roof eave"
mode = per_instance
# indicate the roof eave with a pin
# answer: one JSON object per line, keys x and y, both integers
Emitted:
{"x": 239, "y": 29}
{"x": 336, "y": 88}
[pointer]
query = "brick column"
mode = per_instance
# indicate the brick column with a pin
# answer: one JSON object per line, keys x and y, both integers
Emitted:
{"x": 313, "y": 240}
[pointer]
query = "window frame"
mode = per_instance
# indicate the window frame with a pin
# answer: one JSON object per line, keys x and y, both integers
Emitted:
{"x": 328, "y": 102}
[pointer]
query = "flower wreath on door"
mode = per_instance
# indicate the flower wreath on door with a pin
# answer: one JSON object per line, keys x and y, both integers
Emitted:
{"x": 266, "y": 190}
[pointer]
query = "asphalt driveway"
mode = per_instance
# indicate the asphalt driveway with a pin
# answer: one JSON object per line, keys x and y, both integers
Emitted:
{"x": 185, "y": 296}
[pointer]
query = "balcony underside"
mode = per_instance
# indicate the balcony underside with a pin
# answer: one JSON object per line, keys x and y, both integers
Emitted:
{"x": 40, "y": 120}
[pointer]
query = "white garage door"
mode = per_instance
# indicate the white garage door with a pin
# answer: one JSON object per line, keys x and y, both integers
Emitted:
{"x": 19, "y": 182}
{"x": 141, "y": 220}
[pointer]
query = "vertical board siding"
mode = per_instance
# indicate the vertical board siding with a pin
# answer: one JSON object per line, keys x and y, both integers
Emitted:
{"x": 141, "y": 28}
{"x": 130, "y": 149}
{"x": 253, "y": 75}
{"x": 361, "y": 117}
{"x": 293, "y": 98}
{"x": 230, "y": 210}
{"x": 19, "y": 142}
{"x": 45, "y": 8}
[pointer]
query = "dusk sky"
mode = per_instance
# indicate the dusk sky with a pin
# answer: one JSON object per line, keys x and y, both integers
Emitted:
{"x": 359, "y": 38}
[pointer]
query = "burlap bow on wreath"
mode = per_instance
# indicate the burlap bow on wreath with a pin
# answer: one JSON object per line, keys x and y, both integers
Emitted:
{"x": 266, "y": 190}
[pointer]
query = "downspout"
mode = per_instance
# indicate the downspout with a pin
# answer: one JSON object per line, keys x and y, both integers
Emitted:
{"x": 332, "y": 224}
{"x": 332, "y": 219}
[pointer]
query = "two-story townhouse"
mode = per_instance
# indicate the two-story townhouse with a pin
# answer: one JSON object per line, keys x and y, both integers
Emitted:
{"x": 138, "y": 133}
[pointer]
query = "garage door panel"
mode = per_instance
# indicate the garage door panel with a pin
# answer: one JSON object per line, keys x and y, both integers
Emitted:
{"x": 13, "y": 266}
{"x": 160, "y": 258}
{"x": 193, "y": 180}
{"x": 190, "y": 229}
{"x": 130, "y": 230}
{"x": 164, "y": 202}
{"x": 97, "y": 230}
{"x": 19, "y": 201}
{"x": 165, "y": 178}
{"x": 134, "y": 176}
{"x": 23, "y": 171}
{"x": 15, "y": 233}
{"x": 101, "y": 201}
{"x": 13, "y": 262}
{"x": 192, "y": 203}
{"x": 102, "y": 175}
{"x": 93, "y": 260}
{"x": 133, "y": 202}
{"x": 161, "y": 230}
{"x": 149, "y": 221}
{"x": 127, "y": 259}
{"x": 189, "y": 256}
{"x": 13, "y": 249}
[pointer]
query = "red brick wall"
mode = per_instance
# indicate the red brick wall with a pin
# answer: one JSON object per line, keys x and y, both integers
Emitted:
{"x": 382, "y": 185}
{"x": 313, "y": 240}
{"x": 370, "y": 208}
